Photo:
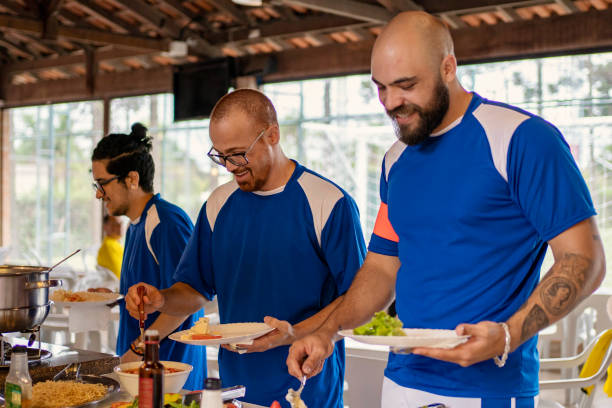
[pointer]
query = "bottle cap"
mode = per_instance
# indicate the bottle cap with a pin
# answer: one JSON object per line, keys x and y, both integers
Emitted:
{"x": 212, "y": 383}
{"x": 20, "y": 349}
{"x": 151, "y": 332}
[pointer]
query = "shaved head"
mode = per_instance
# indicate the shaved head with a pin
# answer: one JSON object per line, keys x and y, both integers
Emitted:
{"x": 422, "y": 33}
{"x": 414, "y": 68}
{"x": 254, "y": 104}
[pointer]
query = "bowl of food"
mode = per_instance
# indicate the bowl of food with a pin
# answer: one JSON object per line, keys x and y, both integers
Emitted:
{"x": 175, "y": 376}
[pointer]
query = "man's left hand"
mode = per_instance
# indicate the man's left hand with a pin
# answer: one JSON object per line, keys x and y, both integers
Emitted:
{"x": 487, "y": 340}
{"x": 282, "y": 335}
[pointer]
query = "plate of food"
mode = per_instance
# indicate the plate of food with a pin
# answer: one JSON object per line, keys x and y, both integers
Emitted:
{"x": 63, "y": 297}
{"x": 89, "y": 391}
{"x": 203, "y": 334}
{"x": 385, "y": 330}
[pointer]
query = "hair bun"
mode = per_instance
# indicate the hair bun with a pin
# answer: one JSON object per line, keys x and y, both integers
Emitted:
{"x": 139, "y": 131}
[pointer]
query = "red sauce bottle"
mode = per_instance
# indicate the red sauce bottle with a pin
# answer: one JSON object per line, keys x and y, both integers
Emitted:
{"x": 151, "y": 374}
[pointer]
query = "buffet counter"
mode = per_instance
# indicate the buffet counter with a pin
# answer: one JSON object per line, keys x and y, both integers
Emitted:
{"x": 91, "y": 362}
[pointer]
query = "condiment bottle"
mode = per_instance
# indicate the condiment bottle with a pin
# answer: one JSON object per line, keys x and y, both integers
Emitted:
{"x": 151, "y": 374}
{"x": 211, "y": 396}
{"x": 18, "y": 383}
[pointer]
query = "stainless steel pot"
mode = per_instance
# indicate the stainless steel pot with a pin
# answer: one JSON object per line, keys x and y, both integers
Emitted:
{"x": 24, "y": 300}
{"x": 22, "y": 318}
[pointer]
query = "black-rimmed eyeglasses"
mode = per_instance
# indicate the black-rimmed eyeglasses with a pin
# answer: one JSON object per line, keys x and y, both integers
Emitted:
{"x": 99, "y": 184}
{"x": 237, "y": 159}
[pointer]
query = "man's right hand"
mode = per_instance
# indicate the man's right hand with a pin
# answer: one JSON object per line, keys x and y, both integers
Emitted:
{"x": 307, "y": 355}
{"x": 153, "y": 300}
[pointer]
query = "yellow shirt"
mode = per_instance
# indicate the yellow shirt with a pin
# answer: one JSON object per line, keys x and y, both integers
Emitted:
{"x": 110, "y": 255}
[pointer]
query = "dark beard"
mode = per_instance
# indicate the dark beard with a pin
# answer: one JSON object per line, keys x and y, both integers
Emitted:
{"x": 430, "y": 117}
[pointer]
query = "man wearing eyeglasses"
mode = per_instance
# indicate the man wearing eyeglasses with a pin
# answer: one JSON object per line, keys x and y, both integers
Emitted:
{"x": 279, "y": 243}
{"x": 123, "y": 171}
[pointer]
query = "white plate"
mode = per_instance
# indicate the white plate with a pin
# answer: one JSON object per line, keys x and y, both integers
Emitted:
{"x": 96, "y": 303}
{"x": 437, "y": 338}
{"x": 231, "y": 333}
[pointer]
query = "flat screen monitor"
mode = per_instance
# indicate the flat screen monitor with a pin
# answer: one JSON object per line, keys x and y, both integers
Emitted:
{"x": 198, "y": 87}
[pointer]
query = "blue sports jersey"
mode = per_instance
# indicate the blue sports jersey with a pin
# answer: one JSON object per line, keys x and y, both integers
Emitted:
{"x": 470, "y": 212}
{"x": 285, "y": 253}
{"x": 153, "y": 247}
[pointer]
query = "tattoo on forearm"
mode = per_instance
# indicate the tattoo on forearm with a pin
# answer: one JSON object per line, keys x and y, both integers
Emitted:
{"x": 560, "y": 289}
{"x": 535, "y": 321}
{"x": 558, "y": 295}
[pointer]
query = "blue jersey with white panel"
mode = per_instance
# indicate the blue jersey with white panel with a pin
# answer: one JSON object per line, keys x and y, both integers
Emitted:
{"x": 154, "y": 244}
{"x": 469, "y": 213}
{"x": 285, "y": 253}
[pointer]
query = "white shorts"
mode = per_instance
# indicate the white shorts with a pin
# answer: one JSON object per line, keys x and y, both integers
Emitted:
{"x": 394, "y": 395}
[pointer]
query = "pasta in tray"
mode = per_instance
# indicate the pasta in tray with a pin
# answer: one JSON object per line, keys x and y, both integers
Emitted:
{"x": 58, "y": 394}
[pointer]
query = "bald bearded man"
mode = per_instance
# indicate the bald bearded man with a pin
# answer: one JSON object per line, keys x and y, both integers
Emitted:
{"x": 278, "y": 240}
{"x": 472, "y": 194}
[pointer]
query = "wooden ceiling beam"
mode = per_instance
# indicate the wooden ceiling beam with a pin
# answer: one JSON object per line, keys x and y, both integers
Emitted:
{"x": 453, "y": 20}
{"x": 17, "y": 8}
{"x": 347, "y": 8}
{"x": 551, "y": 36}
{"x": 16, "y": 49}
{"x": 196, "y": 19}
{"x": 228, "y": 7}
{"x": 475, "y": 6}
{"x": 108, "y": 18}
{"x": 105, "y": 85}
{"x": 280, "y": 28}
{"x": 568, "y": 6}
{"x": 508, "y": 14}
{"x": 74, "y": 59}
{"x": 85, "y": 35}
{"x": 396, "y": 6}
{"x": 161, "y": 22}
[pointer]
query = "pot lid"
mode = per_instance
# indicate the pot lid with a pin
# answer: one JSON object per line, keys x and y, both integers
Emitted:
{"x": 9, "y": 270}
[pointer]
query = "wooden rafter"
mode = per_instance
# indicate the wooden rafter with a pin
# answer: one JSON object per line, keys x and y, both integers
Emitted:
{"x": 178, "y": 7}
{"x": 160, "y": 22}
{"x": 84, "y": 35}
{"x": 228, "y": 7}
{"x": 281, "y": 28}
{"x": 395, "y": 6}
{"x": 347, "y": 8}
{"x": 107, "y": 17}
{"x": 16, "y": 49}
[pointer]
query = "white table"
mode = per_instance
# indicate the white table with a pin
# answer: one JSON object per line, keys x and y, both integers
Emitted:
{"x": 365, "y": 366}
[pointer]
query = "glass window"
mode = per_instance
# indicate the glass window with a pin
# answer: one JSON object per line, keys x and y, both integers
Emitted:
{"x": 183, "y": 173}
{"x": 51, "y": 202}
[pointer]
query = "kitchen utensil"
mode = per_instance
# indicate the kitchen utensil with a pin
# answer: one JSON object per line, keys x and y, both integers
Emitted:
{"x": 62, "y": 261}
{"x": 141, "y": 313}
{"x": 24, "y": 303}
{"x": 22, "y": 318}
{"x": 71, "y": 372}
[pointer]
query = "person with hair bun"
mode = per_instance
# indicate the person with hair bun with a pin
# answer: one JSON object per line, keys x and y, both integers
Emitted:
{"x": 123, "y": 172}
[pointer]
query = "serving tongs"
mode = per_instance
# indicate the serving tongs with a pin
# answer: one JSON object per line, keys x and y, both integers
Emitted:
{"x": 69, "y": 373}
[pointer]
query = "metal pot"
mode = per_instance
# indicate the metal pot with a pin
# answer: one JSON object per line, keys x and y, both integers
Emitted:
{"x": 22, "y": 318}
{"x": 24, "y": 300}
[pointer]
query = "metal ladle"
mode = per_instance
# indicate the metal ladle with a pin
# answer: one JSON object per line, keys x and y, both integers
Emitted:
{"x": 62, "y": 261}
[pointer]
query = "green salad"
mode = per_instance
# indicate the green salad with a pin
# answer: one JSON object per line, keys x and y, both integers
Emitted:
{"x": 381, "y": 325}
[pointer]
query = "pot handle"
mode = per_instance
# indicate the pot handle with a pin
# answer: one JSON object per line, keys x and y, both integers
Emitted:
{"x": 43, "y": 284}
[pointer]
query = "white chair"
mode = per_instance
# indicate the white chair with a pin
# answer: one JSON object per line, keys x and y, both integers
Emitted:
{"x": 575, "y": 383}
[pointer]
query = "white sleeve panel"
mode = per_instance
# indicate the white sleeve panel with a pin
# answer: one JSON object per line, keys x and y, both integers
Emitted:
{"x": 322, "y": 197}
{"x": 392, "y": 155}
{"x": 216, "y": 201}
{"x": 151, "y": 223}
{"x": 499, "y": 124}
